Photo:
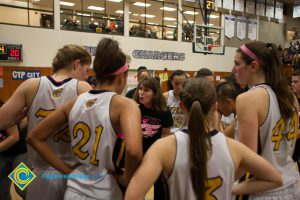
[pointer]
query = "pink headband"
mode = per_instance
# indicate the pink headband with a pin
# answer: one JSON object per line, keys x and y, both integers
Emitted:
{"x": 251, "y": 54}
{"x": 122, "y": 69}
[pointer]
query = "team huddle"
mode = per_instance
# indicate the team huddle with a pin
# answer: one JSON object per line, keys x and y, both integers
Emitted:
{"x": 116, "y": 147}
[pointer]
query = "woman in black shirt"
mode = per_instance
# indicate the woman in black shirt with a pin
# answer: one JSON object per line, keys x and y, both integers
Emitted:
{"x": 156, "y": 120}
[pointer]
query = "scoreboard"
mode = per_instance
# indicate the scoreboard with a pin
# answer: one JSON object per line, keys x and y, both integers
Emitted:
{"x": 10, "y": 52}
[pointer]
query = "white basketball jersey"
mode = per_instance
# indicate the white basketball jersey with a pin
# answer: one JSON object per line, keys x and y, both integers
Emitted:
{"x": 277, "y": 140}
{"x": 177, "y": 114}
{"x": 220, "y": 170}
{"x": 93, "y": 140}
{"x": 50, "y": 95}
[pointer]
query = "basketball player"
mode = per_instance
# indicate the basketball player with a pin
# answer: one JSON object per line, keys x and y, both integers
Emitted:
{"x": 94, "y": 123}
{"x": 172, "y": 96}
{"x": 296, "y": 90}
{"x": 227, "y": 94}
{"x": 41, "y": 96}
{"x": 205, "y": 73}
{"x": 199, "y": 162}
{"x": 268, "y": 113}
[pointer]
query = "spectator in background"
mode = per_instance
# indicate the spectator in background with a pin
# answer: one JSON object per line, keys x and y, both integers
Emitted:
{"x": 205, "y": 73}
{"x": 142, "y": 72}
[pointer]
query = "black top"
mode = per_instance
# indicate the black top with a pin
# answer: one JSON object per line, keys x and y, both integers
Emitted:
{"x": 152, "y": 124}
{"x": 19, "y": 147}
{"x": 130, "y": 93}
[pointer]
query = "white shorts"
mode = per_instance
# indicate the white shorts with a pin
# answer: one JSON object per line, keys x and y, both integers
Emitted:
{"x": 46, "y": 186}
{"x": 291, "y": 192}
{"x": 71, "y": 194}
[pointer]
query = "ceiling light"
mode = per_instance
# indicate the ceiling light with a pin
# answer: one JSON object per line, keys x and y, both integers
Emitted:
{"x": 190, "y": 12}
{"x": 135, "y": 14}
{"x": 171, "y": 26}
{"x": 167, "y": 9}
{"x": 122, "y": 12}
{"x": 169, "y": 19}
{"x": 142, "y": 4}
{"x": 115, "y": 0}
{"x": 190, "y": 21}
{"x": 66, "y": 3}
{"x": 83, "y": 14}
{"x": 147, "y": 16}
{"x": 213, "y": 16}
{"x": 95, "y": 8}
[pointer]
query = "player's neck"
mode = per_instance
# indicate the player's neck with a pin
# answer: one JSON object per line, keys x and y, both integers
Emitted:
{"x": 61, "y": 75}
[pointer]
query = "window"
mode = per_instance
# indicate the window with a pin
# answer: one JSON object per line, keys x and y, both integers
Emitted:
{"x": 153, "y": 19}
{"x": 27, "y": 13}
{"x": 192, "y": 15}
{"x": 105, "y": 16}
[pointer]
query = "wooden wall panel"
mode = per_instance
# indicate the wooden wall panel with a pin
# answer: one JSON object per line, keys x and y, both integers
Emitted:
{"x": 10, "y": 85}
{"x": 165, "y": 87}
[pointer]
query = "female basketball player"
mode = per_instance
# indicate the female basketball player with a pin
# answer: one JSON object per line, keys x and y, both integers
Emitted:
{"x": 268, "y": 113}
{"x": 41, "y": 96}
{"x": 200, "y": 163}
{"x": 95, "y": 118}
{"x": 172, "y": 96}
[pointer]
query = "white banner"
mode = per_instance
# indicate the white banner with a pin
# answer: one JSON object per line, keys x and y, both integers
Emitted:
{"x": 296, "y": 11}
{"x": 279, "y": 10}
{"x": 241, "y": 27}
{"x": 260, "y": 7}
{"x": 229, "y": 26}
{"x": 218, "y": 3}
{"x": 239, "y": 5}
{"x": 270, "y": 8}
{"x": 228, "y": 4}
{"x": 252, "y": 29}
{"x": 250, "y": 6}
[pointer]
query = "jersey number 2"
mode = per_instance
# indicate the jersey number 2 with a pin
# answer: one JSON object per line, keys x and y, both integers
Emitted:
{"x": 212, "y": 185}
{"x": 77, "y": 149}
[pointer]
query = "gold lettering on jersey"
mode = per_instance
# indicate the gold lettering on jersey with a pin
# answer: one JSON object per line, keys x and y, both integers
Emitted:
{"x": 177, "y": 121}
{"x": 291, "y": 135}
{"x": 62, "y": 135}
{"x": 90, "y": 102}
{"x": 86, "y": 135}
{"x": 57, "y": 93}
{"x": 212, "y": 185}
{"x": 176, "y": 110}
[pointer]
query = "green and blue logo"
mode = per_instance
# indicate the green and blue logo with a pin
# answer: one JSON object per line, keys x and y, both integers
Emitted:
{"x": 22, "y": 176}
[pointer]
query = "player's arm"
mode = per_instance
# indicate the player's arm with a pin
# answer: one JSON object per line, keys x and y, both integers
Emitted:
{"x": 13, "y": 137}
{"x": 130, "y": 124}
{"x": 157, "y": 158}
{"x": 166, "y": 95}
{"x": 266, "y": 177}
{"x": 230, "y": 130}
{"x": 247, "y": 116}
{"x": 37, "y": 138}
{"x": 12, "y": 109}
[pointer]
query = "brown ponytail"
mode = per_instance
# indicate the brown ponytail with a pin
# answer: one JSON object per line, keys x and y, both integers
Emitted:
{"x": 198, "y": 96}
{"x": 198, "y": 132}
{"x": 274, "y": 74}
